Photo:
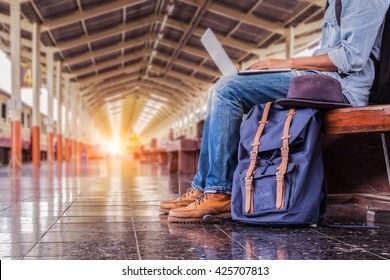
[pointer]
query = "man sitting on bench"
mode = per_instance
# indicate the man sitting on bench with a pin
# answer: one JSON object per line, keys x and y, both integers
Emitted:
{"x": 344, "y": 55}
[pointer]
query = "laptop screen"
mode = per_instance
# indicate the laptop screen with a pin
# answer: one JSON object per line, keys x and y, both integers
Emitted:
{"x": 217, "y": 53}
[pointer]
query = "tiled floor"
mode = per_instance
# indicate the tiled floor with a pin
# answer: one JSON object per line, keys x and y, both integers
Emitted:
{"x": 108, "y": 209}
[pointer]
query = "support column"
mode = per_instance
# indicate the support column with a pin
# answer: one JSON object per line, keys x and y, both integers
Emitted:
{"x": 78, "y": 128}
{"x": 290, "y": 42}
{"x": 36, "y": 73}
{"x": 83, "y": 129}
{"x": 59, "y": 113}
{"x": 67, "y": 128}
{"x": 74, "y": 126}
{"x": 50, "y": 120}
{"x": 15, "y": 102}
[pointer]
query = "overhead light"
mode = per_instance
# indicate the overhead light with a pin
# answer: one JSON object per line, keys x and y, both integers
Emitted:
{"x": 170, "y": 9}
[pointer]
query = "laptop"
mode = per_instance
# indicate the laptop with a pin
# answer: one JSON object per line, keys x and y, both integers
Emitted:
{"x": 222, "y": 60}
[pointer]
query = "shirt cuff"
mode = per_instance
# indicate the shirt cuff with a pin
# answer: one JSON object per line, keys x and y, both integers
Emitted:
{"x": 339, "y": 59}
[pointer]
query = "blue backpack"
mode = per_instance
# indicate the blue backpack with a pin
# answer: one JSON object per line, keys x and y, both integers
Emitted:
{"x": 280, "y": 177}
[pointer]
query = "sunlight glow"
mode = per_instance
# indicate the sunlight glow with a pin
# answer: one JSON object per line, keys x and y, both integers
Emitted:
{"x": 115, "y": 147}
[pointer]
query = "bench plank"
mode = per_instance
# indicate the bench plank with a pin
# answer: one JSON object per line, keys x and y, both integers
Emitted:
{"x": 357, "y": 120}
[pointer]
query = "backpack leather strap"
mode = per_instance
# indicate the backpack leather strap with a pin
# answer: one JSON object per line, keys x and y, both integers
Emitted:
{"x": 281, "y": 171}
{"x": 253, "y": 159}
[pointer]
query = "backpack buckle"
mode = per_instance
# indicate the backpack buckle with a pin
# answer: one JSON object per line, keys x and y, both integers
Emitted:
{"x": 249, "y": 180}
{"x": 279, "y": 176}
{"x": 284, "y": 151}
{"x": 253, "y": 155}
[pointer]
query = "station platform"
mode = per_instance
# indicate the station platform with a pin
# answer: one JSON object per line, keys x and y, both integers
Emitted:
{"x": 108, "y": 209}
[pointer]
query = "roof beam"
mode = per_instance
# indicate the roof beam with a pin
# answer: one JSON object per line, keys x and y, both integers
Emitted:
{"x": 302, "y": 28}
{"x": 24, "y": 23}
{"x": 110, "y": 74}
{"x": 106, "y": 85}
{"x": 126, "y": 86}
{"x": 234, "y": 14}
{"x": 141, "y": 54}
{"x": 108, "y": 33}
{"x": 109, "y": 63}
{"x": 176, "y": 94}
{"x": 167, "y": 85}
{"x": 177, "y": 75}
{"x": 190, "y": 65}
{"x": 82, "y": 15}
{"x": 116, "y": 86}
{"x": 100, "y": 101}
{"x": 317, "y": 2}
{"x": 196, "y": 82}
{"x": 107, "y": 50}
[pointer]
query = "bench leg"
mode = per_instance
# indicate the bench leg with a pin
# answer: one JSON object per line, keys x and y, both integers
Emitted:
{"x": 162, "y": 158}
{"x": 386, "y": 153}
{"x": 186, "y": 162}
{"x": 173, "y": 162}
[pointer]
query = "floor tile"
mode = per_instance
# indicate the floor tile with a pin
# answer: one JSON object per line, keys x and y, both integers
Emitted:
{"x": 86, "y": 250}
{"x": 93, "y": 227}
{"x": 90, "y": 236}
{"x": 15, "y": 249}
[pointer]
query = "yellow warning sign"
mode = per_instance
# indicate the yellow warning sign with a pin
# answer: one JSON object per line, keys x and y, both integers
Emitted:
{"x": 26, "y": 76}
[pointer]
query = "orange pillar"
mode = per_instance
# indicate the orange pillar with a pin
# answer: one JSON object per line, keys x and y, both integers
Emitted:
{"x": 16, "y": 145}
{"x": 67, "y": 149}
{"x": 36, "y": 147}
{"x": 74, "y": 126}
{"x": 59, "y": 147}
{"x": 59, "y": 112}
{"x": 50, "y": 105}
{"x": 15, "y": 102}
{"x": 74, "y": 149}
{"x": 80, "y": 152}
{"x": 50, "y": 147}
{"x": 67, "y": 154}
{"x": 36, "y": 122}
{"x": 71, "y": 151}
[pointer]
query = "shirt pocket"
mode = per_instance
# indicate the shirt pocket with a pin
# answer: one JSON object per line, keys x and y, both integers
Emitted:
{"x": 331, "y": 32}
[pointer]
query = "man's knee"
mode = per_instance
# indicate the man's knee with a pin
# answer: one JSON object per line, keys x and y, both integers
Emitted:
{"x": 225, "y": 87}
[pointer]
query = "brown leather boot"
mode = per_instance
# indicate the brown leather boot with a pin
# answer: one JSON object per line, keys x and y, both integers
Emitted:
{"x": 208, "y": 207}
{"x": 191, "y": 195}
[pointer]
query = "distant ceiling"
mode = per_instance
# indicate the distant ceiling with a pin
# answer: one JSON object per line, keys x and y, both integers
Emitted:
{"x": 137, "y": 63}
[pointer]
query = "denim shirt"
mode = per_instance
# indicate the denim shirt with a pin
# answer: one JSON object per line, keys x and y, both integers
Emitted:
{"x": 350, "y": 46}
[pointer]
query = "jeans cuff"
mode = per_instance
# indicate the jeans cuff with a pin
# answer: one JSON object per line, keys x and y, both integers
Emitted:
{"x": 197, "y": 187}
{"x": 217, "y": 189}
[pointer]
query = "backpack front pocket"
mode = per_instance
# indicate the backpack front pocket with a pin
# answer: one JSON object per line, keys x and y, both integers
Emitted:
{"x": 265, "y": 190}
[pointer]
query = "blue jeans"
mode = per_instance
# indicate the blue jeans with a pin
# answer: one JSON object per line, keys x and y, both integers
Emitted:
{"x": 231, "y": 98}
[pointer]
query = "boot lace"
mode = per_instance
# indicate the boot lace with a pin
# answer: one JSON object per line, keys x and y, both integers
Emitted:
{"x": 189, "y": 192}
{"x": 202, "y": 198}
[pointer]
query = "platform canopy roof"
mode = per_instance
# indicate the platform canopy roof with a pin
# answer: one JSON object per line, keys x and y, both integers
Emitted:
{"x": 138, "y": 63}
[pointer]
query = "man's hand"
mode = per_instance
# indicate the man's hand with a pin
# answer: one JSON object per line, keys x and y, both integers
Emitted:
{"x": 319, "y": 62}
{"x": 271, "y": 63}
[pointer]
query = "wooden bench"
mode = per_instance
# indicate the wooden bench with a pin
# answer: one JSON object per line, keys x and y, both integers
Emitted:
{"x": 160, "y": 154}
{"x": 357, "y": 159}
{"x": 357, "y": 120}
{"x": 145, "y": 156}
{"x": 182, "y": 155}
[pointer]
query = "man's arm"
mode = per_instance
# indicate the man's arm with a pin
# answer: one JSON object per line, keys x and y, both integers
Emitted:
{"x": 319, "y": 62}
